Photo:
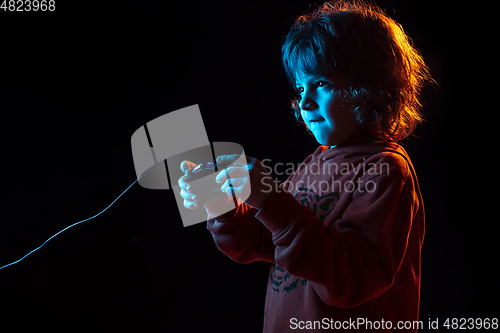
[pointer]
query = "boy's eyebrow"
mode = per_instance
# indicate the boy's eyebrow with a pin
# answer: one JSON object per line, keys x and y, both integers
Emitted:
{"x": 297, "y": 82}
{"x": 308, "y": 77}
{"x": 311, "y": 78}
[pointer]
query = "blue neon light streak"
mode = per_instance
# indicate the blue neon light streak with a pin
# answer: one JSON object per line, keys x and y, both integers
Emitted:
{"x": 90, "y": 218}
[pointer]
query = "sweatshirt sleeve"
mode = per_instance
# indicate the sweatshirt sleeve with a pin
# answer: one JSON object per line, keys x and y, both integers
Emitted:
{"x": 240, "y": 235}
{"x": 353, "y": 259}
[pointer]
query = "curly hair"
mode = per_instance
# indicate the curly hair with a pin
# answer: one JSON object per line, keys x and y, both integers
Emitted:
{"x": 357, "y": 39}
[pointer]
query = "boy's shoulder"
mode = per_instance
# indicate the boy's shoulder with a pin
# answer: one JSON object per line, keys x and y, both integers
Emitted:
{"x": 370, "y": 151}
{"x": 392, "y": 161}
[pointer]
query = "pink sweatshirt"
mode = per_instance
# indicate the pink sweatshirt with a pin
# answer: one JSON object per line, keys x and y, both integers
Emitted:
{"x": 343, "y": 236}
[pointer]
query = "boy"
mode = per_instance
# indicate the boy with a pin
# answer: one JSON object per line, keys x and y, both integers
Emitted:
{"x": 344, "y": 233}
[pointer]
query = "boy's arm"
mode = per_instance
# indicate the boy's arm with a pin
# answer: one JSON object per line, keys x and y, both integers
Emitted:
{"x": 240, "y": 235}
{"x": 357, "y": 257}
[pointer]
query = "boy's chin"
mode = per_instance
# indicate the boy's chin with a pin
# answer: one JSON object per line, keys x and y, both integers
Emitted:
{"x": 323, "y": 141}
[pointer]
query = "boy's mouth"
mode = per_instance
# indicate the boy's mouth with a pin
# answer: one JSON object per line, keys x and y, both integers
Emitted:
{"x": 316, "y": 121}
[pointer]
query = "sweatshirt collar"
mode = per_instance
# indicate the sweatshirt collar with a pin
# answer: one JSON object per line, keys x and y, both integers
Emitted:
{"x": 367, "y": 144}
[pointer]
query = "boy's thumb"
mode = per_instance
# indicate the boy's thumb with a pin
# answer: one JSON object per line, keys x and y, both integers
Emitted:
{"x": 187, "y": 166}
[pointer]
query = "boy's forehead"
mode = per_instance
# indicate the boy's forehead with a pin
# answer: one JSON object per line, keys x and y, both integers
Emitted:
{"x": 304, "y": 77}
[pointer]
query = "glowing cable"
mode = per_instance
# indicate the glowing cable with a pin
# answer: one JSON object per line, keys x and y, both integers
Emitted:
{"x": 90, "y": 218}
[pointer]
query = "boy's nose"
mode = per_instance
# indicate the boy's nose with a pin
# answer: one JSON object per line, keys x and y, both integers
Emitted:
{"x": 307, "y": 104}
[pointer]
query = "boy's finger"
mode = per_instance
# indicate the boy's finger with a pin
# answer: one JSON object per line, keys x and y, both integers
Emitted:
{"x": 230, "y": 172}
{"x": 187, "y": 166}
{"x": 188, "y": 196}
{"x": 190, "y": 204}
{"x": 182, "y": 182}
{"x": 233, "y": 182}
{"x": 234, "y": 158}
{"x": 227, "y": 158}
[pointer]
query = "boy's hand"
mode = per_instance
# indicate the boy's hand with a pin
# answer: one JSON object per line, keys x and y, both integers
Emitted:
{"x": 214, "y": 205}
{"x": 258, "y": 180}
{"x": 190, "y": 199}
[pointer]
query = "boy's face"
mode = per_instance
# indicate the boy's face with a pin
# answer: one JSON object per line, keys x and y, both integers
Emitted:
{"x": 329, "y": 118}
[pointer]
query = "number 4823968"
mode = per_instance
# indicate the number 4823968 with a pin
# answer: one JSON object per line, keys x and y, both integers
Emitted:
{"x": 28, "y": 5}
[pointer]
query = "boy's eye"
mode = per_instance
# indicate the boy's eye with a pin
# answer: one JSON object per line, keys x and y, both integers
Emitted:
{"x": 317, "y": 84}
{"x": 322, "y": 84}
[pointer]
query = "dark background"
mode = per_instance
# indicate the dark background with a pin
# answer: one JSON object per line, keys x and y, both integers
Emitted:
{"x": 77, "y": 82}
